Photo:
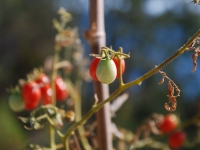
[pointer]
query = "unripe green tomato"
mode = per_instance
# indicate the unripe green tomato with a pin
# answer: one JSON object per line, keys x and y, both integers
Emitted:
{"x": 106, "y": 71}
{"x": 16, "y": 102}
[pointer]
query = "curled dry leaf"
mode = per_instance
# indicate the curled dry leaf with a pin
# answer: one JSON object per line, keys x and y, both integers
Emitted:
{"x": 171, "y": 96}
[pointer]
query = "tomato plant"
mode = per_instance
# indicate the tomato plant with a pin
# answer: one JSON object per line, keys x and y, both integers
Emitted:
{"x": 93, "y": 67}
{"x": 116, "y": 61}
{"x": 169, "y": 123}
{"x": 106, "y": 71}
{"x": 31, "y": 94}
{"x": 176, "y": 139}
{"x": 61, "y": 89}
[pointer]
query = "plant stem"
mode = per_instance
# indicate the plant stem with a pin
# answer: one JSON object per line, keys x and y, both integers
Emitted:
{"x": 66, "y": 143}
{"x": 52, "y": 138}
{"x": 54, "y": 73}
{"x": 121, "y": 83}
{"x": 76, "y": 97}
{"x": 127, "y": 85}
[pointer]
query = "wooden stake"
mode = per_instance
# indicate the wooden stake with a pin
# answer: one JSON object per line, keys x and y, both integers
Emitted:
{"x": 96, "y": 39}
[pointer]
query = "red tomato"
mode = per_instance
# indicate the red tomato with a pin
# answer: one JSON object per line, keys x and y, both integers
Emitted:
{"x": 61, "y": 89}
{"x": 169, "y": 123}
{"x": 46, "y": 94}
{"x": 93, "y": 67}
{"x": 116, "y": 61}
{"x": 31, "y": 95}
{"x": 30, "y": 106}
{"x": 176, "y": 139}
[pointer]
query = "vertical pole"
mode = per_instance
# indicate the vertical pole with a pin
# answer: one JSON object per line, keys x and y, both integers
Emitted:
{"x": 97, "y": 40}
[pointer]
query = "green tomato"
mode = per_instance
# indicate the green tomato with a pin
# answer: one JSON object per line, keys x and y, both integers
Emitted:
{"x": 106, "y": 71}
{"x": 16, "y": 102}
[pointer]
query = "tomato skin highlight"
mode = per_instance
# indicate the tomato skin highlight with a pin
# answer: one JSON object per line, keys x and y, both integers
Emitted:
{"x": 169, "y": 123}
{"x": 116, "y": 61}
{"x": 176, "y": 139}
{"x": 46, "y": 91}
{"x": 46, "y": 95}
{"x": 93, "y": 67}
{"x": 31, "y": 95}
{"x": 106, "y": 71}
{"x": 61, "y": 89}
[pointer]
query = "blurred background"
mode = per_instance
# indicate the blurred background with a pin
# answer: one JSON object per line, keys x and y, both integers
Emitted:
{"x": 150, "y": 30}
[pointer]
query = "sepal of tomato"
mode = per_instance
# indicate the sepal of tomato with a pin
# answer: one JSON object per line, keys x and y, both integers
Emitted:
{"x": 106, "y": 71}
{"x": 116, "y": 61}
{"x": 92, "y": 69}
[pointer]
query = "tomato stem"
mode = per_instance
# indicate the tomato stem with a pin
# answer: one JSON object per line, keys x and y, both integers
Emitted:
{"x": 52, "y": 137}
{"x": 53, "y": 76}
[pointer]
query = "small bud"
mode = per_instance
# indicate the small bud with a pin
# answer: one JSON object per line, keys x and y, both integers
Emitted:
{"x": 70, "y": 116}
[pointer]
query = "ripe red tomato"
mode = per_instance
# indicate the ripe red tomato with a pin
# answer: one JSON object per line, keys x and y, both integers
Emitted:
{"x": 30, "y": 106}
{"x": 46, "y": 95}
{"x": 115, "y": 59}
{"x": 176, "y": 139}
{"x": 106, "y": 71}
{"x": 61, "y": 89}
{"x": 31, "y": 95}
{"x": 169, "y": 123}
{"x": 93, "y": 67}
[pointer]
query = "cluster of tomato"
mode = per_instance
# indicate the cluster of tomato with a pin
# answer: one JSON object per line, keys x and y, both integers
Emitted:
{"x": 176, "y": 137}
{"x": 105, "y": 70}
{"x": 39, "y": 90}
